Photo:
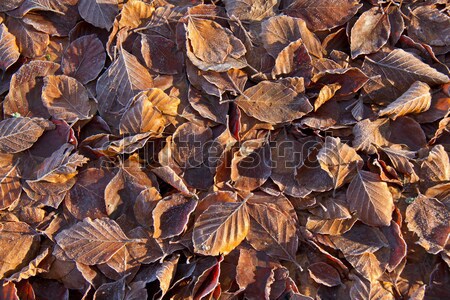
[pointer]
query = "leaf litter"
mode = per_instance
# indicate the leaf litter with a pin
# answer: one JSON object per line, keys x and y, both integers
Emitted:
{"x": 234, "y": 149}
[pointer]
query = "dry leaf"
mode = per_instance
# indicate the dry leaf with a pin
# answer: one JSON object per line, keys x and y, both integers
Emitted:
{"x": 416, "y": 99}
{"x": 19, "y": 134}
{"x": 9, "y": 52}
{"x": 322, "y": 14}
{"x": 371, "y": 199}
{"x": 370, "y": 32}
{"x": 100, "y": 13}
{"x": 65, "y": 98}
{"x": 220, "y": 54}
{"x": 273, "y": 103}
{"x": 428, "y": 218}
{"x": 221, "y": 228}
{"x": 92, "y": 242}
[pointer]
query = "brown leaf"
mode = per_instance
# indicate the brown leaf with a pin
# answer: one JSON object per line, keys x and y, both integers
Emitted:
{"x": 279, "y": 31}
{"x": 251, "y": 165}
{"x": 293, "y": 60}
{"x": 111, "y": 291}
{"x": 251, "y": 10}
{"x": 149, "y": 111}
{"x": 323, "y": 273}
{"x": 171, "y": 215}
{"x": 19, "y": 134}
{"x": 428, "y": 218}
{"x": 10, "y": 5}
{"x": 273, "y": 103}
{"x": 190, "y": 144}
{"x": 368, "y": 133}
{"x": 370, "y": 32}
{"x": 19, "y": 242}
{"x": 60, "y": 166}
{"x": 415, "y": 100}
{"x": 124, "y": 79}
{"x": 220, "y": 54}
{"x": 436, "y": 167}
{"x": 330, "y": 227}
{"x": 9, "y": 52}
{"x": 32, "y": 43}
{"x": 221, "y": 228}
{"x": 134, "y": 13}
{"x": 272, "y": 232}
{"x": 65, "y": 98}
{"x": 430, "y": 26}
{"x": 92, "y": 242}
{"x": 371, "y": 199}
{"x": 322, "y": 14}
{"x": 10, "y": 187}
{"x": 326, "y": 93}
{"x": 339, "y": 160}
{"x": 100, "y": 13}
{"x": 86, "y": 198}
{"x": 399, "y": 70}
{"x": 84, "y": 58}
{"x": 26, "y": 87}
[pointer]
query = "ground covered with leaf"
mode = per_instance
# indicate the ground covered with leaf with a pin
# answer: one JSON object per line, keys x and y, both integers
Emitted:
{"x": 234, "y": 149}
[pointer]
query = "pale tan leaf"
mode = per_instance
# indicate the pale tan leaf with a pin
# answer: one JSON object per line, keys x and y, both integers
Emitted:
{"x": 18, "y": 244}
{"x": 19, "y": 134}
{"x": 251, "y": 10}
{"x": 416, "y": 99}
{"x": 134, "y": 13}
{"x": 293, "y": 61}
{"x": 273, "y": 103}
{"x": 280, "y": 31}
{"x": 149, "y": 111}
{"x": 322, "y": 14}
{"x": 339, "y": 160}
{"x": 220, "y": 54}
{"x": 436, "y": 167}
{"x": 370, "y": 32}
{"x": 371, "y": 199}
{"x": 66, "y": 98}
{"x": 331, "y": 227}
{"x": 370, "y": 265}
{"x": 92, "y": 242}
{"x": 9, "y": 52}
{"x": 429, "y": 219}
{"x": 326, "y": 93}
{"x": 221, "y": 228}
{"x": 100, "y": 13}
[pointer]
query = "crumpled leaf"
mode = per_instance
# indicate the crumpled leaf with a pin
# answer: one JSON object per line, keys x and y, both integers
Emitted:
{"x": 339, "y": 160}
